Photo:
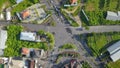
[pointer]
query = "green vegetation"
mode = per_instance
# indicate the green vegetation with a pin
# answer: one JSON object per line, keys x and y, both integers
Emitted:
{"x": 96, "y": 11}
{"x": 58, "y": 59}
{"x": 70, "y": 20}
{"x": 14, "y": 44}
{"x": 72, "y": 54}
{"x": 50, "y": 38}
{"x": 23, "y": 5}
{"x": 69, "y": 46}
{"x": 1, "y": 66}
{"x": 97, "y": 41}
{"x": 86, "y": 65}
{"x": 6, "y": 3}
{"x": 77, "y": 11}
{"x": 113, "y": 64}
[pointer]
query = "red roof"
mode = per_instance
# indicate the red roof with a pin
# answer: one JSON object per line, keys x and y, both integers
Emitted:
{"x": 25, "y": 14}
{"x": 25, "y": 51}
{"x": 73, "y": 1}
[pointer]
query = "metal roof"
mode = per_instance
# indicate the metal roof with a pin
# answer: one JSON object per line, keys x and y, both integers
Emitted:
{"x": 3, "y": 38}
{"x": 29, "y": 36}
{"x": 114, "y": 47}
{"x": 118, "y": 15}
{"x": 113, "y": 16}
{"x": 114, "y": 51}
{"x": 115, "y": 56}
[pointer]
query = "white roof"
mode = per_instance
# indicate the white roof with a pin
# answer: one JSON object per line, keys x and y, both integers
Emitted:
{"x": 1, "y": 16}
{"x": 115, "y": 56}
{"x": 3, "y": 38}
{"x": 118, "y": 13}
{"x": 114, "y": 47}
{"x": 8, "y": 15}
{"x": 27, "y": 36}
{"x": 111, "y": 16}
{"x": 111, "y": 13}
{"x": 114, "y": 51}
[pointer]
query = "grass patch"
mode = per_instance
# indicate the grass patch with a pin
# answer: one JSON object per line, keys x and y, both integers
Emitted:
{"x": 86, "y": 65}
{"x": 70, "y": 20}
{"x": 6, "y": 3}
{"x": 96, "y": 11}
{"x": 98, "y": 43}
{"x": 69, "y": 46}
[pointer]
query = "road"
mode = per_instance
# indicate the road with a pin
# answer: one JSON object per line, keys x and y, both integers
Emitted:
{"x": 62, "y": 35}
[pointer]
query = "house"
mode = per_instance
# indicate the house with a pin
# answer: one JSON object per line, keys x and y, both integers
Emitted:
{"x": 32, "y": 13}
{"x": 25, "y": 14}
{"x": 18, "y": 1}
{"x": 25, "y": 52}
{"x": 73, "y": 1}
{"x": 3, "y": 38}
{"x": 3, "y": 60}
{"x": 29, "y": 36}
{"x": 113, "y": 16}
{"x": 114, "y": 51}
{"x": 8, "y": 15}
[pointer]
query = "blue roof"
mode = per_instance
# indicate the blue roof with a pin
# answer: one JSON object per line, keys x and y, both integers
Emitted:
{"x": 18, "y": 1}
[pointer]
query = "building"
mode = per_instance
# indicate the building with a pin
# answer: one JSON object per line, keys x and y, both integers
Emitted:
{"x": 18, "y": 1}
{"x": 73, "y": 1}
{"x": 8, "y": 15}
{"x": 29, "y": 36}
{"x": 33, "y": 13}
{"x": 3, "y": 60}
{"x": 25, "y": 14}
{"x": 3, "y": 38}
{"x": 113, "y": 16}
{"x": 114, "y": 51}
{"x": 25, "y": 52}
{"x": 1, "y": 16}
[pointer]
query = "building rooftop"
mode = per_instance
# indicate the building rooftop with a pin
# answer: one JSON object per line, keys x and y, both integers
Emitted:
{"x": 113, "y": 48}
{"x": 73, "y": 1}
{"x": 29, "y": 36}
{"x": 25, "y": 52}
{"x": 8, "y": 15}
{"x": 25, "y": 14}
{"x": 115, "y": 56}
{"x": 118, "y": 13}
{"x": 113, "y": 16}
{"x": 114, "y": 51}
{"x": 3, "y": 38}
